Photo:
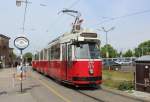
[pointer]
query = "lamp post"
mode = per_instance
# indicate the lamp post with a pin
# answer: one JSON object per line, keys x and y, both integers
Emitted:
{"x": 106, "y": 31}
{"x": 19, "y": 2}
{"x": 107, "y": 52}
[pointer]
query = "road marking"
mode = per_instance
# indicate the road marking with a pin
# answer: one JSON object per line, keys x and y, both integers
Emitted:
{"x": 52, "y": 90}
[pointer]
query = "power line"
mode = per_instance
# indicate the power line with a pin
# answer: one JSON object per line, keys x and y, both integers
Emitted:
{"x": 74, "y": 3}
{"x": 69, "y": 7}
{"x": 124, "y": 16}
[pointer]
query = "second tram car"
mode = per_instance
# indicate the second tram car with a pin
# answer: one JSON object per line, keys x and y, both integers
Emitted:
{"x": 73, "y": 58}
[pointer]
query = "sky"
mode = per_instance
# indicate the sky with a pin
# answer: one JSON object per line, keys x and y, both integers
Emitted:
{"x": 131, "y": 19}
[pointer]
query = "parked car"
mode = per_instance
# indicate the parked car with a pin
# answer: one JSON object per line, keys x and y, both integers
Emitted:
{"x": 111, "y": 65}
{"x": 123, "y": 62}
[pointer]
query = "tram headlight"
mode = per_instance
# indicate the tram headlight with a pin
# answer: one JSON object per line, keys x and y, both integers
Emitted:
{"x": 91, "y": 71}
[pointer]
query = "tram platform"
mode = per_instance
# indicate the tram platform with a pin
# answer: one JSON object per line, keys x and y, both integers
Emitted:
{"x": 38, "y": 88}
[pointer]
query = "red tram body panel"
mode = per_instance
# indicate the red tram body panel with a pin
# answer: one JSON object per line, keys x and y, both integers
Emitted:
{"x": 73, "y": 58}
{"x": 78, "y": 74}
{"x": 76, "y": 63}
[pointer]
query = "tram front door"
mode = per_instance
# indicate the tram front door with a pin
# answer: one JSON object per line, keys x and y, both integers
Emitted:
{"x": 66, "y": 61}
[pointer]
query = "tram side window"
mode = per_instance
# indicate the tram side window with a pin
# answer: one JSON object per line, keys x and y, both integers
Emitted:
{"x": 37, "y": 56}
{"x": 49, "y": 53}
{"x": 64, "y": 52}
{"x": 52, "y": 52}
{"x": 41, "y": 55}
{"x": 55, "y": 52}
{"x": 45, "y": 54}
{"x": 69, "y": 52}
{"x": 33, "y": 57}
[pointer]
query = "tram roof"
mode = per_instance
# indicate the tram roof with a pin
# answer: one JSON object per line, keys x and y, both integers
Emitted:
{"x": 66, "y": 37}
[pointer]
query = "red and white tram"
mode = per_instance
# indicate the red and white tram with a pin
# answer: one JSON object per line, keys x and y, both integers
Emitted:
{"x": 73, "y": 58}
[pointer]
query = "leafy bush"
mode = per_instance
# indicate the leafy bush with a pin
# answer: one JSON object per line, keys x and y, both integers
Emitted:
{"x": 126, "y": 86}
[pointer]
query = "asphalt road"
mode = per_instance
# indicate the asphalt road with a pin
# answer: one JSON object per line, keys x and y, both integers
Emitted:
{"x": 39, "y": 88}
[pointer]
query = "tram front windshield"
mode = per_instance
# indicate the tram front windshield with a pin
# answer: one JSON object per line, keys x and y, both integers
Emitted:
{"x": 87, "y": 51}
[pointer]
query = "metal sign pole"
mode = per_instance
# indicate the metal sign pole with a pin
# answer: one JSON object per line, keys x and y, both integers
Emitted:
{"x": 21, "y": 69}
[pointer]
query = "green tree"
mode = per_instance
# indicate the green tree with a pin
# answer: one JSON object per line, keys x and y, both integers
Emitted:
{"x": 137, "y": 52}
{"x": 112, "y": 52}
{"x": 143, "y": 49}
{"x": 128, "y": 53}
{"x": 28, "y": 57}
{"x": 119, "y": 54}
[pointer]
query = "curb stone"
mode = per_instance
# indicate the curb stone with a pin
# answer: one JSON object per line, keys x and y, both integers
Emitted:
{"x": 124, "y": 94}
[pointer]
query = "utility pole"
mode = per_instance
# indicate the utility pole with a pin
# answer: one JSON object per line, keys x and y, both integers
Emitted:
{"x": 106, "y": 32}
{"x": 22, "y": 42}
{"x": 21, "y": 56}
{"x": 18, "y": 4}
{"x": 107, "y": 52}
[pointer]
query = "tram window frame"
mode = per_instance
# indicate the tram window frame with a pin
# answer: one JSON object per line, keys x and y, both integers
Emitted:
{"x": 78, "y": 50}
{"x": 49, "y": 53}
{"x": 41, "y": 55}
{"x": 33, "y": 57}
{"x": 55, "y": 52}
{"x": 52, "y": 55}
{"x": 70, "y": 55}
{"x": 57, "y": 55}
{"x": 69, "y": 52}
{"x": 64, "y": 51}
{"x": 45, "y": 54}
{"x": 37, "y": 56}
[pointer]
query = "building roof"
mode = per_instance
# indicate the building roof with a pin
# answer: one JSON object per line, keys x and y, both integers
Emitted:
{"x": 3, "y": 36}
{"x": 145, "y": 58}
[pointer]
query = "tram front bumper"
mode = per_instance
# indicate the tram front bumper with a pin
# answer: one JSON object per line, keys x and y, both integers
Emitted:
{"x": 87, "y": 80}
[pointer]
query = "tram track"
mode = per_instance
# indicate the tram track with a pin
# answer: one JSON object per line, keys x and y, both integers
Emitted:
{"x": 88, "y": 91}
{"x": 89, "y": 96}
{"x": 93, "y": 94}
{"x": 72, "y": 88}
{"x": 109, "y": 93}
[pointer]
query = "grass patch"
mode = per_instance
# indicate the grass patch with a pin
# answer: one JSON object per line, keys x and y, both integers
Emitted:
{"x": 111, "y": 83}
{"x": 114, "y": 79}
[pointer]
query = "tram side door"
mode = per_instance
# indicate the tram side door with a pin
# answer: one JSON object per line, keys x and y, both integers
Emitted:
{"x": 69, "y": 62}
{"x": 66, "y": 61}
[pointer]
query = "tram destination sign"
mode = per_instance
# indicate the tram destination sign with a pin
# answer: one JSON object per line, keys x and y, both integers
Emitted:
{"x": 21, "y": 43}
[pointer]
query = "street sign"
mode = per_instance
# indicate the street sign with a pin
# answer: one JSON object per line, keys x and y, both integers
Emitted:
{"x": 21, "y": 43}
